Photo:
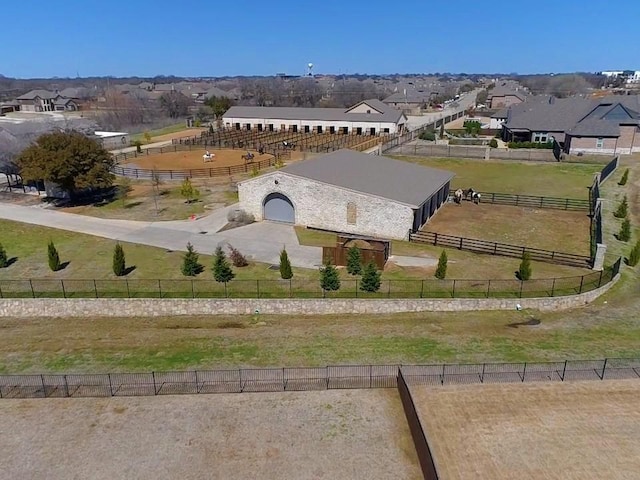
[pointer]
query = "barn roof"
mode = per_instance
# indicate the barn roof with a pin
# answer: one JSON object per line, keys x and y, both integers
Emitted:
{"x": 384, "y": 177}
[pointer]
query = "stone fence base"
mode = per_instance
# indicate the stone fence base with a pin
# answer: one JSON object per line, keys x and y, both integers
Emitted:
{"x": 153, "y": 307}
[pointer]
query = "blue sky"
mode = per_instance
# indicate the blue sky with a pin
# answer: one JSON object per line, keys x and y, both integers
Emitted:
{"x": 236, "y": 37}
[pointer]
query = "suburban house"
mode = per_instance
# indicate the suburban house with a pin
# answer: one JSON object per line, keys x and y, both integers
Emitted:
{"x": 410, "y": 99}
{"x": 503, "y": 96}
{"x": 369, "y": 117}
{"x": 579, "y": 125}
{"x": 349, "y": 192}
{"x": 498, "y": 119}
{"x": 45, "y": 101}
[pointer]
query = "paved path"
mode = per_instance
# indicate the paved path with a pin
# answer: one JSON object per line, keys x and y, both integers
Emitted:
{"x": 261, "y": 241}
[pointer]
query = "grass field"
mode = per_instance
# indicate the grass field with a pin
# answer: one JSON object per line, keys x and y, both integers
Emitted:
{"x": 567, "y": 431}
{"x": 543, "y": 179}
{"x": 302, "y": 435}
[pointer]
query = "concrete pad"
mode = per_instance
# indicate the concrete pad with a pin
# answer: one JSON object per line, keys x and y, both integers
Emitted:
{"x": 403, "y": 261}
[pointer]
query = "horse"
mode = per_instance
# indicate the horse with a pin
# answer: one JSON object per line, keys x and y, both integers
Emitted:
{"x": 468, "y": 193}
{"x": 476, "y": 198}
{"x": 248, "y": 158}
{"x": 208, "y": 157}
{"x": 457, "y": 196}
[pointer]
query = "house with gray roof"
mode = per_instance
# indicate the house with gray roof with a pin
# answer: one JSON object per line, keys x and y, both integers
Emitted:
{"x": 349, "y": 192}
{"x": 45, "y": 101}
{"x": 411, "y": 98}
{"x": 369, "y": 117}
{"x": 502, "y": 96}
{"x": 607, "y": 125}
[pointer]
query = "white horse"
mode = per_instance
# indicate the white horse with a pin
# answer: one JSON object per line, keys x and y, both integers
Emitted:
{"x": 208, "y": 157}
{"x": 457, "y": 196}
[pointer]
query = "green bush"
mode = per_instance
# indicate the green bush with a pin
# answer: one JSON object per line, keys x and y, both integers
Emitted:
{"x": 329, "y": 278}
{"x": 544, "y": 146}
{"x": 524, "y": 272}
{"x": 285, "y": 265}
{"x": 634, "y": 255}
{"x": 370, "y": 278}
{"x": 119, "y": 263}
{"x": 53, "y": 257}
{"x": 222, "y": 271}
{"x": 624, "y": 235}
{"x": 623, "y": 209}
{"x": 472, "y": 127}
{"x": 441, "y": 270}
{"x": 625, "y": 177}
{"x": 354, "y": 261}
{"x": 190, "y": 265}
{"x": 493, "y": 143}
{"x": 4, "y": 261}
{"x": 428, "y": 135}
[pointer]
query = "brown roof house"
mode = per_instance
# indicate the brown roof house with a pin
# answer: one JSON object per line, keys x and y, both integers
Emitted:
{"x": 349, "y": 192}
{"x": 46, "y": 101}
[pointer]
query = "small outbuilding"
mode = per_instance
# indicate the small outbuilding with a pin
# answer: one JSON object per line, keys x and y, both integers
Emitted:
{"x": 349, "y": 192}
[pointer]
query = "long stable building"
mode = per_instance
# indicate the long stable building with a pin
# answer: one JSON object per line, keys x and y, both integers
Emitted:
{"x": 369, "y": 117}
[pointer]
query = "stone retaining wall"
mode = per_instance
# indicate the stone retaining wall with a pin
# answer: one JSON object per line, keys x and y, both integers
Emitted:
{"x": 149, "y": 307}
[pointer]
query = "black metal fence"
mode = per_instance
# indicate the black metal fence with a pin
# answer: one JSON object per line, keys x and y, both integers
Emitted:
{"x": 609, "y": 168}
{"x": 502, "y": 249}
{"x": 533, "y": 201}
{"x": 306, "y": 288}
{"x": 308, "y": 378}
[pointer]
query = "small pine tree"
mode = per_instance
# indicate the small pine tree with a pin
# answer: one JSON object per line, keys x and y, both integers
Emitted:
{"x": 624, "y": 235}
{"x": 370, "y": 278}
{"x": 354, "y": 261}
{"x": 524, "y": 272}
{"x": 285, "y": 265}
{"x": 222, "y": 271}
{"x": 623, "y": 209}
{"x": 54, "y": 258}
{"x": 329, "y": 278}
{"x": 119, "y": 264}
{"x": 188, "y": 191}
{"x": 634, "y": 255}
{"x": 4, "y": 261}
{"x": 625, "y": 177}
{"x": 237, "y": 259}
{"x": 190, "y": 265}
{"x": 493, "y": 143}
{"x": 441, "y": 270}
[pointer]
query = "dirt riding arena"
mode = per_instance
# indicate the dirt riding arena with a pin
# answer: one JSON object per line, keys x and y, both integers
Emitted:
{"x": 560, "y": 230}
{"x": 576, "y": 430}
{"x": 192, "y": 159}
{"x": 304, "y": 435}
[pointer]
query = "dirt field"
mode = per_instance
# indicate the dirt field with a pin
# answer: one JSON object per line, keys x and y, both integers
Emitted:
{"x": 559, "y": 230}
{"x": 578, "y": 430}
{"x": 193, "y": 159}
{"x": 302, "y": 435}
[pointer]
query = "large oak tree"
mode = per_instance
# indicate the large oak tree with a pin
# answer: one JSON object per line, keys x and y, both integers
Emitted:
{"x": 69, "y": 159}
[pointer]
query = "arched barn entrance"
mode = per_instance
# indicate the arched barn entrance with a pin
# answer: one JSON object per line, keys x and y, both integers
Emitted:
{"x": 279, "y": 208}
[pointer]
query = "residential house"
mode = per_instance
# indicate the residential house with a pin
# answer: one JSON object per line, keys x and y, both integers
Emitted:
{"x": 609, "y": 125}
{"x": 504, "y": 96}
{"x": 369, "y": 117}
{"x": 410, "y": 99}
{"x": 46, "y": 101}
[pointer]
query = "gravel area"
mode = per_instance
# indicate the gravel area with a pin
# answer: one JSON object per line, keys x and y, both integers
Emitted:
{"x": 349, "y": 434}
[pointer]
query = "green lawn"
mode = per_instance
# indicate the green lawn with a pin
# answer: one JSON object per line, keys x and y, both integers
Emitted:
{"x": 527, "y": 178}
{"x": 159, "y": 131}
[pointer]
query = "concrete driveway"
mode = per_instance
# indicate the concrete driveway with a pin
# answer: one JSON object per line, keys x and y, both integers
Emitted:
{"x": 261, "y": 241}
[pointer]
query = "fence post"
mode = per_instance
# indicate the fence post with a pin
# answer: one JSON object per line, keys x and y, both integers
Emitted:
{"x": 389, "y": 289}
{"x": 110, "y": 385}
{"x": 370, "y": 376}
{"x": 126, "y": 281}
{"x": 600, "y": 279}
{"x": 258, "y": 287}
{"x": 524, "y": 370}
{"x": 153, "y": 375}
{"x": 453, "y": 289}
{"x": 482, "y": 374}
{"x": 421, "y": 288}
{"x": 442, "y": 377}
{"x": 435, "y": 239}
{"x": 193, "y": 293}
{"x": 460, "y": 243}
{"x": 95, "y": 288}
{"x": 581, "y": 283}
{"x": 64, "y": 293}
{"x": 604, "y": 367}
{"x": 1, "y": 296}
{"x": 488, "y": 287}
{"x": 225, "y": 290}
{"x": 553, "y": 287}
{"x": 521, "y": 285}
{"x": 66, "y": 386}
{"x": 564, "y": 370}
{"x": 356, "y": 288}
{"x": 290, "y": 288}
{"x": 33, "y": 294}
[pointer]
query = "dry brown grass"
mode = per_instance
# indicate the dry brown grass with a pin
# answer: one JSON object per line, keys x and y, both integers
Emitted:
{"x": 559, "y": 230}
{"x": 581, "y": 430}
{"x": 301, "y": 435}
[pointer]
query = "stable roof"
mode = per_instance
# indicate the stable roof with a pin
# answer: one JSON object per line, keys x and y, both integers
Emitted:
{"x": 384, "y": 177}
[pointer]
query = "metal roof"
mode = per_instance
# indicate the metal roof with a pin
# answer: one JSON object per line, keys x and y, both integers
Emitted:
{"x": 389, "y": 114}
{"x": 396, "y": 180}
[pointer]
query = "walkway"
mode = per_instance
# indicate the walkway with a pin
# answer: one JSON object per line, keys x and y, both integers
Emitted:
{"x": 261, "y": 242}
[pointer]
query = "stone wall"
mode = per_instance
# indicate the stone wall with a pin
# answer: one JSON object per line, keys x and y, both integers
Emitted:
{"x": 324, "y": 206}
{"x": 139, "y": 307}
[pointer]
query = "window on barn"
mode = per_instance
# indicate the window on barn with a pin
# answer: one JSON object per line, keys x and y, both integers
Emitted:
{"x": 600, "y": 143}
{"x": 352, "y": 213}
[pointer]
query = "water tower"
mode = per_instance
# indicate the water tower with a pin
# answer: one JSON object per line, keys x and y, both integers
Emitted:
{"x": 310, "y": 69}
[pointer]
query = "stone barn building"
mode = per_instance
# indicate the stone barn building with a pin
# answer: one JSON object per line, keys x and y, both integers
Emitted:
{"x": 350, "y": 192}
